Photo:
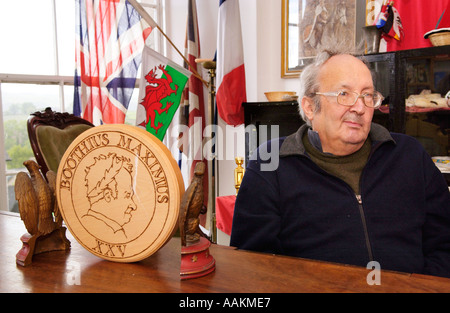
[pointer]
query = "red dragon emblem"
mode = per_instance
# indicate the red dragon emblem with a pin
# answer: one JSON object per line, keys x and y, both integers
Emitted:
{"x": 156, "y": 90}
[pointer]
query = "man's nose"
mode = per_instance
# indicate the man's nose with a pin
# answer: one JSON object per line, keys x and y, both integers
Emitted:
{"x": 132, "y": 205}
{"x": 359, "y": 107}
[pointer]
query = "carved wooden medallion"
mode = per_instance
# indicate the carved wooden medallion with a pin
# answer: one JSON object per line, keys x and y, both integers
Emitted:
{"x": 119, "y": 191}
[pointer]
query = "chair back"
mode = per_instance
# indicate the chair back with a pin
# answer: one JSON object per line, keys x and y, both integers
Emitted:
{"x": 51, "y": 133}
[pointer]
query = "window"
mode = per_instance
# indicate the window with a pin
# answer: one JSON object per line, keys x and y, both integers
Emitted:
{"x": 37, "y": 62}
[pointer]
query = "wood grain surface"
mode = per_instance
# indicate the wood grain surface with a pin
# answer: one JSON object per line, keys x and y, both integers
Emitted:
{"x": 237, "y": 271}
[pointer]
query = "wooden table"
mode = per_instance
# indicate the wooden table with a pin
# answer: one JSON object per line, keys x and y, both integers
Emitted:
{"x": 237, "y": 271}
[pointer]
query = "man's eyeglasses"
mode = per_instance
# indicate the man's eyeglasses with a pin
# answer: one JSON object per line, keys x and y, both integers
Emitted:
{"x": 349, "y": 98}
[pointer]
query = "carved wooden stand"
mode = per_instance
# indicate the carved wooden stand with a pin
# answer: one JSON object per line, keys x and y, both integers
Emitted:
{"x": 35, "y": 244}
{"x": 196, "y": 261}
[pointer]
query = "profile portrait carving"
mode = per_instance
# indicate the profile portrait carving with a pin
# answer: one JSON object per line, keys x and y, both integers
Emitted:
{"x": 119, "y": 189}
{"x": 109, "y": 189}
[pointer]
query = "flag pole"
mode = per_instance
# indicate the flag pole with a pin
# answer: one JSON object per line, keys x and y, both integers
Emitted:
{"x": 153, "y": 24}
{"x": 210, "y": 65}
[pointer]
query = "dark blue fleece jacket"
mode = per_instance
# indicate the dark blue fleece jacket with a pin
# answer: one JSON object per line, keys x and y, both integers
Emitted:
{"x": 401, "y": 219}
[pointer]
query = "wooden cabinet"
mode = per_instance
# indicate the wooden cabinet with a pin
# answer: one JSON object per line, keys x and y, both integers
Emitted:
{"x": 400, "y": 74}
{"x": 261, "y": 115}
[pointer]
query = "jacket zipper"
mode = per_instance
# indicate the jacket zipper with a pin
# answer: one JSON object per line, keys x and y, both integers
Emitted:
{"x": 361, "y": 210}
{"x": 363, "y": 219}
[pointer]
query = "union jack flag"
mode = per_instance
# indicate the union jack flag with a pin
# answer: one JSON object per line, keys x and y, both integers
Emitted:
{"x": 193, "y": 113}
{"x": 110, "y": 37}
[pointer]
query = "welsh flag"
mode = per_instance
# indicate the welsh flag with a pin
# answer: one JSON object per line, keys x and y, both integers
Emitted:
{"x": 160, "y": 91}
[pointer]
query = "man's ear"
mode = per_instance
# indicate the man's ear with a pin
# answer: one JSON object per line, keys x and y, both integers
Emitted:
{"x": 308, "y": 107}
{"x": 107, "y": 194}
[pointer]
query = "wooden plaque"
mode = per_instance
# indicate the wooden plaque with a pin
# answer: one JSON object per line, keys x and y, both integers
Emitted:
{"x": 119, "y": 191}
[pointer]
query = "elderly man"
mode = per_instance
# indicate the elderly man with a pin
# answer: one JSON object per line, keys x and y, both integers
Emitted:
{"x": 346, "y": 190}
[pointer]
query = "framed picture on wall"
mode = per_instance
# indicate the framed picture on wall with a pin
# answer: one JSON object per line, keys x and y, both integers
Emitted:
{"x": 306, "y": 27}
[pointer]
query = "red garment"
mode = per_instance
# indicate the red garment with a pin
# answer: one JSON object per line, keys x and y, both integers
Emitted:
{"x": 418, "y": 17}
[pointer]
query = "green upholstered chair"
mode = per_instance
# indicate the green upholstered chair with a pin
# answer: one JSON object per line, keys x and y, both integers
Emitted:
{"x": 51, "y": 133}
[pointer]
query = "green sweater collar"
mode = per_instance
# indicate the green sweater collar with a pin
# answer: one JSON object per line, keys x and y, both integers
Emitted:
{"x": 293, "y": 144}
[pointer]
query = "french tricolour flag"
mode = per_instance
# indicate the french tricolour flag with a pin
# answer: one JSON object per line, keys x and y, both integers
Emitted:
{"x": 230, "y": 79}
